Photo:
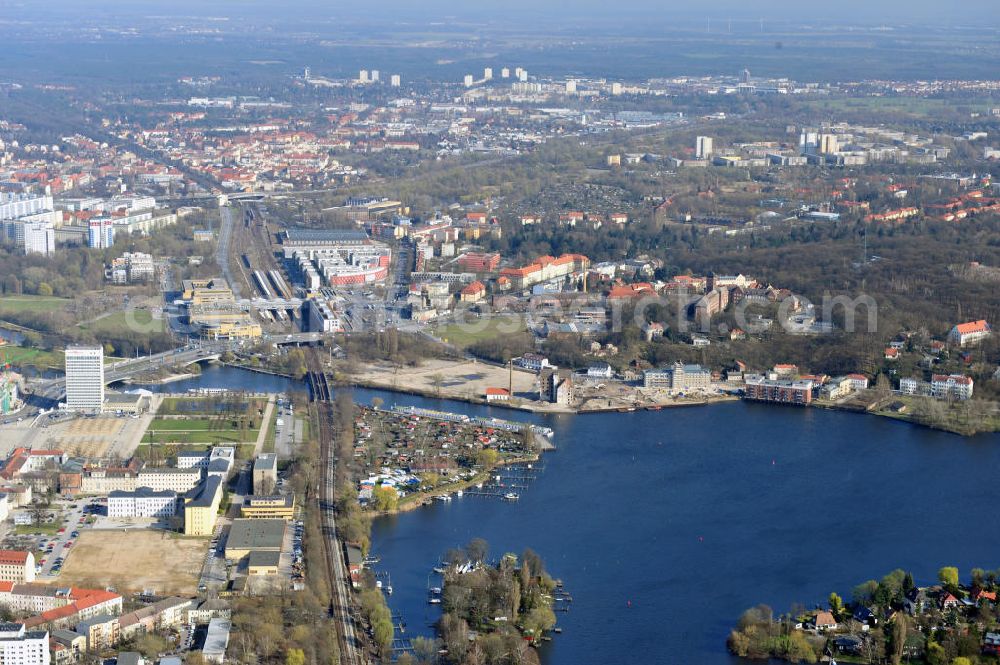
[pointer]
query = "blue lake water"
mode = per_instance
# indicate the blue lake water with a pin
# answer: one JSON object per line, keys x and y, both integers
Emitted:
{"x": 666, "y": 525}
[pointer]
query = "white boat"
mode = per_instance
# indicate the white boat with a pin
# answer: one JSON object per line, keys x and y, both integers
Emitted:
{"x": 511, "y": 496}
{"x": 436, "y": 590}
{"x": 388, "y": 589}
{"x": 434, "y": 601}
{"x": 458, "y": 493}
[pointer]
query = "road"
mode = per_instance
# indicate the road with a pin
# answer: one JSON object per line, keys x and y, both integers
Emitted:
{"x": 54, "y": 389}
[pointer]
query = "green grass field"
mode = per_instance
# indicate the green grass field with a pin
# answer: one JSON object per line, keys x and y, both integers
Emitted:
{"x": 20, "y": 304}
{"x": 136, "y": 321}
{"x": 216, "y": 437}
{"x": 198, "y": 406}
{"x": 19, "y": 356}
{"x": 463, "y": 335}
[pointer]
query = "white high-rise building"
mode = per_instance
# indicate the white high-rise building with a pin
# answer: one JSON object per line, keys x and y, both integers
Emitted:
{"x": 363, "y": 76}
{"x": 505, "y": 73}
{"x": 14, "y": 206}
{"x": 101, "y": 233}
{"x": 523, "y": 76}
{"x": 570, "y": 87}
{"x": 488, "y": 73}
{"x": 375, "y": 75}
{"x": 616, "y": 89}
{"x": 23, "y": 647}
{"x": 395, "y": 81}
{"x": 84, "y": 378}
{"x": 39, "y": 238}
{"x": 468, "y": 80}
{"x": 703, "y": 147}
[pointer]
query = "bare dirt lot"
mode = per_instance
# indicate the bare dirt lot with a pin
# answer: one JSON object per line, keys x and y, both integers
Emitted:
{"x": 135, "y": 560}
{"x": 466, "y": 380}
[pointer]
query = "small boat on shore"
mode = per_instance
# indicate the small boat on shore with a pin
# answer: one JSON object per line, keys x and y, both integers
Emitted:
{"x": 440, "y": 570}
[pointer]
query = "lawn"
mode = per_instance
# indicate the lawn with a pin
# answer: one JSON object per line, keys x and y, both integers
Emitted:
{"x": 49, "y": 528}
{"x": 192, "y": 425}
{"x": 19, "y": 356}
{"x": 467, "y": 334}
{"x": 21, "y": 304}
{"x": 136, "y": 321}
{"x": 196, "y": 406}
{"x": 214, "y": 437}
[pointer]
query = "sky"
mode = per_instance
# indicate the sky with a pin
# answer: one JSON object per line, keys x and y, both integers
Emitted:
{"x": 842, "y": 11}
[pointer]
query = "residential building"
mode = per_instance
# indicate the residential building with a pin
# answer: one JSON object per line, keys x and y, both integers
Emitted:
{"x": 703, "y": 147}
{"x": 102, "y": 631}
{"x": 163, "y": 614}
{"x": 600, "y": 371}
{"x": 970, "y": 333}
{"x": 39, "y": 238}
{"x": 533, "y": 361}
{"x": 784, "y": 391}
{"x": 677, "y": 378}
{"x": 473, "y": 293}
{"x": 837, "y": 387}
{"x": 544, "y": 269}
{"x": 858, "y": 381}
{"x": 84, "y": 378}
{"x": 101, "y": 233}
{"x": 17, "y": 567}
{"x": 19, "y": 646}
{"x": 143, "y": 502}
{"x": 954, "y": 386}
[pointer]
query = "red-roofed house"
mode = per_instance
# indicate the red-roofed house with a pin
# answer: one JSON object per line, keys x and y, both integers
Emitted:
{"x": 969, "y": 333}
{"x": 473, "y": 292}
{"x": 497, "y": 395}
{"x": 858, "y": 381}
{"x": 891, "y": 354}
{"x": 17, "y": 566}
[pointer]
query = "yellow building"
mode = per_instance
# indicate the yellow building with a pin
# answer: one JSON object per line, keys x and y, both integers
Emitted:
{"x": 201, "y": 507}
{"x": 265, "y": 507}
{"x": 207, "y": 291}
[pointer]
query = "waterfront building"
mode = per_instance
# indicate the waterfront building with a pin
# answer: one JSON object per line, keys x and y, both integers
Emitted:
{"x": 84, "y": 378}
{"x": 556, "y": 386}
{"x": 678, "y": 378}
{"x": 955, "y": 386}
{"x": 783, "y": 391}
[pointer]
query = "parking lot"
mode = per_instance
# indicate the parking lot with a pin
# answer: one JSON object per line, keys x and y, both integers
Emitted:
{"x": 53, "y": 541}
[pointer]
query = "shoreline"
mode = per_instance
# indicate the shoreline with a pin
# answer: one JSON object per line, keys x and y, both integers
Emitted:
{"x": 425, "y": 498}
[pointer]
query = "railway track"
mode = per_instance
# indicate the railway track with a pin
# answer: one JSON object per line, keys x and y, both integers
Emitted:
{"x": 352, "y": 648}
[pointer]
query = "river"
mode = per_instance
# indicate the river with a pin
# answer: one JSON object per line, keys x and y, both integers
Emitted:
{"x": 666, "y": 525}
